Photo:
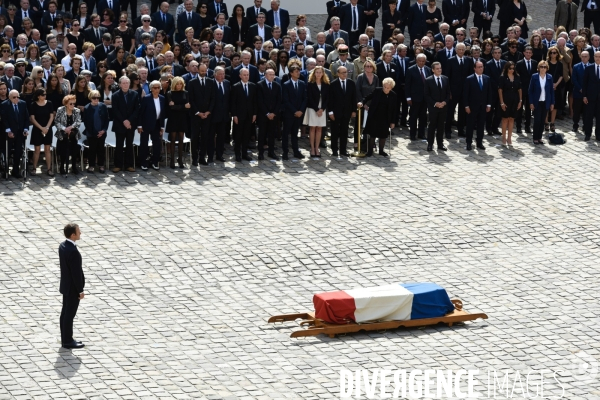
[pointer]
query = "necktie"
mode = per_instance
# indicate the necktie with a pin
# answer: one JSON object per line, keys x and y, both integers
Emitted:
{"x": 498, "y": 64}
{"x": 218, "y": 8}
{"x": 296, "y": 86}
{"x": 277, "y": 18}
{"x": 246, "y": 90}
{"x": 86, "y": 64}
{"x": 453, "y": 3}
{"x": 480, "y": 83}
{"x": 150, "y": 65}
{"x": 344, "y": 86}
{"x": 26, "y": 16}
{"x": 449, "y": 54}
{"x": 388, "y": 68}
{"x": 221, "y": 88}
{"x": 529, "y": 67}
{"x": 189, "y": 17}
{"x": 460, "y": 62}
{"x": 52, "y": 15}
{"x": 47, "y": 74}
{"x": 402, "y": 64}
{"x": 355, "y": 19}
{"x": 97, "y": 33}
{"x": 109, "y": 3}
{"x": 484, "y": 5}
{"x": 422, "y": 75}
{"x": 202, "y": 82}
{"x": 598, "y": 71}
{"x": 439, "y": 83}
{"x": 10, "y": 85}
{"x": 370, "y": 42}
{"x": 257, "y": 12}
{"x": 125, "y": 97}
{"x": 16, "y": 109}
{"x": 164, "y": 18}
{"x": 398, "y": 5}
{"x": 269, "y": 84}
{"x": 422, "y": 8}
{"x": 336, "y": 36}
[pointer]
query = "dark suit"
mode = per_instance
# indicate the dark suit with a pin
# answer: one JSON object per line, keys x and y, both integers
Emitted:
{"x": 72, "y": 283}
{"x": 541, "y": 110}
{"x": 284, "y": 20}
{"x": 591, "y": 91}
{"x": 342, "y": 105}
{"x": 327, "y": 47}
{"x": 331, "y": 37}
{"x": 34, "y": 15}
{"x": 167, "y": 25}
{"x": 90, "y": 35}
{"x": 269, "y": 102}
{"x": 371, "y": 5}
{"x": 16, "y": 83}
{"x": 333, "y": 10}
{"x": 589, "y": 17}
{"x": 101, "y": 5}
{"x": 95, "y": 143}
{"x": 477, "y": 99}
{"x": 202, "y": 99}
{"x": 47, "y": 21}
{"x": 100, "y": 54}
{"x": 478, "y": 7}
{"x": 237, "y": 31}
{"x": 151, "y": 126}
{"x": 253, "y": 31}
{"x": 213, "y": 62}
{"x": 414, "y": 89}
{"x": 457, "y": 74}
{"x": 251, "y": 14}
{"x": 525, "y": 75}
{"x": 254, "y": 78}
{"x": 442, "y": 57}
{"x": 494, "y": 116}
{"x": 401, "y": 85}
{"x": 212, "y": 10}
{"x": 417, "y": 27}
{"x": 60, "y": 54}
{"x": 437, "y": 116}
{"x": 347, "y": 21}
{"x": 293, "y": 100}
{"x": 220, "y": 120}
{"x": 17, "y": 123}
{"x": 398, "y": 19}
{"x": 578, "y": 105}
{"x": 383, "y": 73}
{"x": 453, "y": 12}
{"x": 244, "y": 107}
{"x": 124, "y": 109}
{"x": 183, "y": 23}
{"x": 227, "y": 36}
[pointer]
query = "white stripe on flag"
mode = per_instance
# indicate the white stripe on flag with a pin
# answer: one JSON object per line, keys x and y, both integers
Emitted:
{"x": 391, "y": 302}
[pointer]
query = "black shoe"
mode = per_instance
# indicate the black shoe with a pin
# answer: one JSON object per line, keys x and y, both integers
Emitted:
{"x": 429, "y": 148}
{"x": 490, "y": 133}
{"x": 370, "y": 153}
{"x": 383, "y": 153}
{"x": 461, "y": 134}
{"x": 469, "y": 147}
{"x": 180, "y": 162}
{"x": 448, "y": 136}
{"x": 480, "y": 146}
{"x": 220, "y": 159}
{"x": 73, "y": 345}
{"x": 272, "y": 156}
{"x": 299, "y": 155}
{"x": 519, "y": 130}
{"x": 172, "y": 165}
{"x": 195, "y": 163}
{"x": 587, "y": 138}
{"x": 74, "y": 171}
{"x": 155, "y": 167}
{"x": 62, "y": 171}
{"x": 413, "y": 138}
{"x": 202, "y": 162}
{"x": 344, "y": 154}
{"x": 575, "y": 129}
{"x": 442, "y": 148}
{"x": 598, "y": 138}
{"x": 497, "y": 132}
{"x": 527, "y": 129}
{"x": 421, "y": 137}
{"x": 541, "y": 142}
{"x": 334, "y": 154}
{"x": 238, "y": 159}
{"x": 261, "y": 157}
{"x": 15, "y": 174}
{"x": 247, "y": 158}
{"x": 284, "y": 157}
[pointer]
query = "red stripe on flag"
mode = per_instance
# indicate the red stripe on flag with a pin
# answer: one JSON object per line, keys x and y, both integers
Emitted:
{"x": 334, "y": 307}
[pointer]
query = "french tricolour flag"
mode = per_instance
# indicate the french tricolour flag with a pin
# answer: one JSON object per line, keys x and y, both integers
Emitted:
{"x": 398, "y": 302}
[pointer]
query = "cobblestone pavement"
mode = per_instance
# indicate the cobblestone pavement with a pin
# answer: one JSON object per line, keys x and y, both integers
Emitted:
{"x": 184, "y": 267}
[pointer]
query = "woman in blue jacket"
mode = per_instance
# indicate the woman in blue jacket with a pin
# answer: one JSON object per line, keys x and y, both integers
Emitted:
{"x": 95, "y": 119}
{"x": 541, "y": 99}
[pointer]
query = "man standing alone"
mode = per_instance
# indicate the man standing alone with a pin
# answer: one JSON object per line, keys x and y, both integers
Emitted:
{"x": 72, "y": 283}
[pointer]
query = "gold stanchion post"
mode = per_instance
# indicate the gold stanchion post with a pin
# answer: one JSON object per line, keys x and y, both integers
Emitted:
{"x": 358, "y": 153}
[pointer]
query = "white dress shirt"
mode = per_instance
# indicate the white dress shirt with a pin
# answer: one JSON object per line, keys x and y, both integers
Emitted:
{"x": 543, "y": 85}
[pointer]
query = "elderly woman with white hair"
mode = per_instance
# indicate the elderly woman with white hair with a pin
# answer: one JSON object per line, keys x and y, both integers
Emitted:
{"x": 383, "y": 114}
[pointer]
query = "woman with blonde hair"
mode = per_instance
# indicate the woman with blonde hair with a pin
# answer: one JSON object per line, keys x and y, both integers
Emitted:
{"x": 366, "y": 83}
{"x": 383, "y": 115}
{"x": 555, "y": 69}
{"x": 96, "y": 120}
{"x": 178, "y": 101}
{"x": 67, "y": 121}
{"x": 37, "y": 74}
{"x": 315, "y": 116}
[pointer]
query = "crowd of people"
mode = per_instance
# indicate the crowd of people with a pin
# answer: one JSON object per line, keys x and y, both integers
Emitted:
{"x": 254, "y": 75}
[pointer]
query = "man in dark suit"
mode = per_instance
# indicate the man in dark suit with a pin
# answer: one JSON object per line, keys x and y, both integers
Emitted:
{"x": 417, "y": 27}
{"x": 243, "y": 111}
{"x": 227, "y": 38}
{"x": 151, "y": 122}
{"x": 25, "y": 12}
{"x": 477, "y": 102}
{"x": 336, "y": 33}
{"x": 277, "y": 16}
{"x": 103, "y": 49}
{"x": 254, "y": 76}
{"x": 72, "y": 283}
{"x": 12, "y": 81}
{"x": 386, "y": 68}
{"x": 259, "y": 29}
{"x": 113, "y": 5}
{"x": 220, "y": 119}
{"x": 15, "y": 119}
{"x": 252, "y": 12}
{"x": 483, "y": 12}
{"x": 320, "y": 44}
{"x": 526, "y": 68}
{"x": 259, "y": 53}
{"x": 437, "y": 96}
{"x": 372, "y": 42}
{"x": 202, "y": 101}
{"x": 414, "y": 88}
{"x": 371, "y": 11}
{"x": 53, "y": 47}
{"x": 493, "y": 69}
{"x": 454, "y": 14}
{"x": 125, "y": 106}
{"x": 353, "y": 20}
{"x": 294, "y": 101}
{"x": 188, "y": 18}
{"x": 216, "y": 7}
{"x": 577, "y": 81}
{"x": 162, "y": 20}
{"x": 36, "y": 39}
{"x": 49, "y": 16}
{"x": 402, "y": 61}
{"x": 342, "y": 106}
{"x": 333, "y": 10}
{"x": 218, "y": 57}
{"x": 269, "y": 107}
{"x": 457, "y": 70}
{"x": 94, "y": 32}
{"x": 591, "y": 97}
{"x": 446, "y": 53}
{"x": 591, "y": 14}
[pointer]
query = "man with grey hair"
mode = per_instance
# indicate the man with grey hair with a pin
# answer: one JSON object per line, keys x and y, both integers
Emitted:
{"x": 137, "y": 22}
{"x": 177, "y": 69}
{"x": 253, "y": 71}
{"x": 321, "y": 61}
{"x": 46, "y": 66}
{"x": 12, "y": 81}
{"x": 202, "y": 100}
{"x": 277, "y": 16}
{"x": 151, "y": 122}
{"x": 88, "y": 76}
{"x": 220, "y": 121}
{"x": 335, "y": 32}
{"x": 125, "y": 104}
{"x": 243, "y": 111}
{"x": 15, "y": 118}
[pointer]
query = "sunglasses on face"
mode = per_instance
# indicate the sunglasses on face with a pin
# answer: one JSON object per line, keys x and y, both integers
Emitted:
{"x": 555, "y": 53}
{"x": 75, "y": 25}
{"x": 123, "y": 21}
{"x": 95, "y": 98}
{"x": 543, "y": 67}
{"x": 6, "y": 51}
{"x": 71, "y": 104}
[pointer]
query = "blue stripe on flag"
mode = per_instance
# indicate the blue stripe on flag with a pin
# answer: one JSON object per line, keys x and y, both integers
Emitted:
{"x": 430, "y": 300}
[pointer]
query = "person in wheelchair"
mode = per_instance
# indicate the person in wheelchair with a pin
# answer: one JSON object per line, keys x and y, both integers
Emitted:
{"x": 15, "y": 119}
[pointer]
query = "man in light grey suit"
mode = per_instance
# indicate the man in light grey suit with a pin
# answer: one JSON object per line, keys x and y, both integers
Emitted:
{"x": 335, "y": 32}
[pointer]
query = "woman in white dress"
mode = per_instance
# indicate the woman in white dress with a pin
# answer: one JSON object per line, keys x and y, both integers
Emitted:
{"x": 315, "y": 116}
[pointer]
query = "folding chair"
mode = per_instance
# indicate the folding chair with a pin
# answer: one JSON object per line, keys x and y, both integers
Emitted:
{"x": 110, "y": 142}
